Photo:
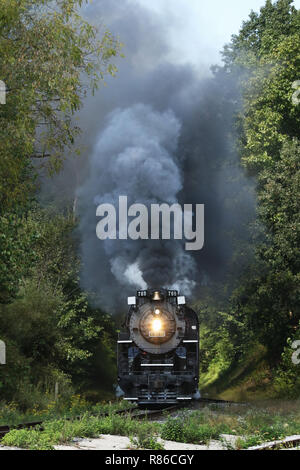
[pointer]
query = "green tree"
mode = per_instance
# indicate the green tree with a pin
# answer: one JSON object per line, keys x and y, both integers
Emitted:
{"x": 250, "y": 314}
{"x": 270, "y": 295}
{"x": 49, "y": 58}
{"x": 267, "y": 51}
{"x": 52, "y": 331}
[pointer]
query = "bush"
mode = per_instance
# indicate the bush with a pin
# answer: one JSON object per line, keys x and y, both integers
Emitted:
{"x": 62, "y": 431}
{"x": 30, "y": 439}
{"x": 191, "y": 427}
{"x": 146, "y": 439}
{"x": 201, "y": 434}
{"x": 172, "y": 430}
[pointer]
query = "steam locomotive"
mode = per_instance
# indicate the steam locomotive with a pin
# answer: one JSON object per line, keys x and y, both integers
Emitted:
{"x": 158, "y": 351}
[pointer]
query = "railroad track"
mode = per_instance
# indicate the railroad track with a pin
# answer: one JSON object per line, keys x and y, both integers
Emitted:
{"x": 135, "y": 413}
{"x": 140, "y": 414}
{"x": 291, "y": 442}
{"x": 6, "y": 429}
{"x": 219, "y": 402}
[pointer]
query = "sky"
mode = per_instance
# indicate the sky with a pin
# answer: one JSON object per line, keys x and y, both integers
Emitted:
{"x": 199, "y": 29}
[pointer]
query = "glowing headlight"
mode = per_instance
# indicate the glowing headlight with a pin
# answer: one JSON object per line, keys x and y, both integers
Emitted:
{"x": 156, "y": 325}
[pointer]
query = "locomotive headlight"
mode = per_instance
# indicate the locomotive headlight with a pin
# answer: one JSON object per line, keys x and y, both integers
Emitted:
{"x": 156, "y": 325}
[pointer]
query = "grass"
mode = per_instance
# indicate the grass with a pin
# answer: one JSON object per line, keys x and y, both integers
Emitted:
{"x": 10, "y": 415}
{"x": 196, "y": 428}
{"x": 146, "y": 438}
{"x": 251, "y": 424}
{"x": 254, "y": 424}
{"x": 248, "y": 380}
{"x": 61, "y": 431}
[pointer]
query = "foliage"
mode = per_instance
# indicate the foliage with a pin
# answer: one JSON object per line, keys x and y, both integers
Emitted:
{"x": 50, "y": 56}
{"x": 16, "y": 248}
{"x": 251, "y": 425}
{"x": 264, "y": 302}
{"x": 266, "y": 50}
{"x": 50, "y": 59}
{"x": 145, "y": 440}
{"x": 271, "y": 295}
{"x": 62, "y": 431}
{"x": 71, "y": 407}
{"x": 192, "y": 427}
{"x": 52, "y": 332}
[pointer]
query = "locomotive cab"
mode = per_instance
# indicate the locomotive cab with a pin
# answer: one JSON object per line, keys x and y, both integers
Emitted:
{"x": 158, "y": 350}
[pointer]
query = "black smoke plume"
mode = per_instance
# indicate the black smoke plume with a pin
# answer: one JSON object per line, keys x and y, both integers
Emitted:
{"x": 158, "y": 132}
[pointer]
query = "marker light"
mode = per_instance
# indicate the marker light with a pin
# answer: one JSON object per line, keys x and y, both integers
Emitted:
{"x": 157, "y": 311}
{"x": 131, "y": 301}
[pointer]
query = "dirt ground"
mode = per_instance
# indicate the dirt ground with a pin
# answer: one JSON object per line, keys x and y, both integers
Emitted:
{"x": 108, "y": 442}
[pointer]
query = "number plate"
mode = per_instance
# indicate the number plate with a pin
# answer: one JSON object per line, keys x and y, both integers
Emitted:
{"x": 159, "y": 334}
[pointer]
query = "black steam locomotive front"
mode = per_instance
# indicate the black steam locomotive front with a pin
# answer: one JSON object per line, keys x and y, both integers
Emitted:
{"x": 158, "y": 351}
